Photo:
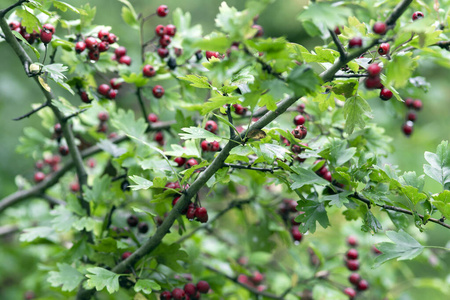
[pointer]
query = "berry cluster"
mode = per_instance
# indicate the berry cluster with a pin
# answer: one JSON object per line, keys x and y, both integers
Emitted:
{"x": 103, "y": 117}
{"x": 352, "y": 263}
{"x": 194, "y": 211}
{"x": 286, "y": 208}
{"x": 214, "y": 146}
{"x": 412, "y": 105}
{"x": 52, "y": 163}
{"x": 96, "y": 46}
{"x": 300, "y": 131}
{"x": 189, "y": 292}
{"x": 45, "y": 35}
{"x": 110, "y": 91}
{"x": 63, "y": 149}
{"x": 133, "y": 221}
{"x": 254, "y": 281}
{"x": 323, "y": 171}
{"x": 120, "y": 54}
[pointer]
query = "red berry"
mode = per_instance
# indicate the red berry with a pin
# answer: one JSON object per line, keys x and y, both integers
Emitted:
{"x": 201, "y": 214}
{"x": 260, "y": 30}
{"x": 299, "y": 120}
{"x": 46, "y": 36}
{"x": 190, "y": 214}
{"x": 352, "y": 254}
{"x": 159, "y": 137}
{"x": 166, "y": 295}
{"x": 125, "y": 255}
{"x": 354, "y": 278}
{"x": 203, "y": 286}
{"x": 152, "y": 118}
{"x": 13, "y": 25}
{"x": 159, "y": 30}
{"x": 190, "y": 289}
{"x": 408, "y": 128}
{"x": 103, "y": 35}
{"x": 132, "y": 221}
{"x": 296, "y": 234}
{"x": 103, "y": 89}
{"x": 210, "y": 54}
{"x": 91, "y": 43}
{"x": 299, "y": 132}
{"x": 363, "y": 285}
{"x": 352, "y": 241}
{"x": 211, "y": 126}
{"x": 79, "y": 47}
{"x": 165, "y": 40}
{"x": 112, "y": 38}
{"x": 384, "y": 49}
{"x": 417, "y": 104}
{"x": 103, "y": 47}
{"x": 411, "y": 116}
{"x": 355, "y": 42}
{"x": 63, "y": 150}
{"x": 206, "y": 146}
{"x": 115, "y": 84}
{"x": 126, "y": 60}
{"x": 337, "y": 30}
{"x": 327, "y": 176}
{"x": 301, "y": 108}
{"x": 417, "y": 15}
{"x": 350, "y": 292}
{"x": 85, "y": 97}
{"x": 162, "y": 10}
{"x": 178, "y": 294}
{"x": 103, "y": 116}
{"x": 190, "y": 163}
{"x": 239, "y": 109}
{"x": 38, "y": 177}
{"x": 49, "y": 27}
{"x": 94, "y": 55}
{"x": 373, "y": 70}
{"x": 57, "y": 128}
{"x": 380, "y": 28}
{"x": 373, "y": 83}
{"x": 39, "y": 164}
{"x": 142, "y": 227}
{"x": 385, "y": 94}
{"x": 158, "y": 91}
{"x": 112, "y": 94}
{"x": 170, "y": 30}
{"x": 215, "y": 146}
{"x": 180, "y": 161}
{"x": 352, "y": 265}
{"x": 409, "y": 102}
{"x": 163, "y": 52}
{"x": 148, "y": 71}
{"x": 243, "y": 279}
{"x": 178, "y": 51}
{"x": 120, "y": 51}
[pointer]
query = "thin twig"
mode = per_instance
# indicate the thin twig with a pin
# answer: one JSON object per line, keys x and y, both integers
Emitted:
{"x": 351, "y": 75}
{"x": 339, "y": 46}
{"x": 141, "y": 103}
{"x": 249, "y": 167}
{"x": 3, "y": 12}
{"x": 31, "y": 112}
{"x": 65, "y": 119}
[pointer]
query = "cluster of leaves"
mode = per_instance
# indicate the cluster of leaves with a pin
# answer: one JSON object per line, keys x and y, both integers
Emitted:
{"x": 83, "y": 247}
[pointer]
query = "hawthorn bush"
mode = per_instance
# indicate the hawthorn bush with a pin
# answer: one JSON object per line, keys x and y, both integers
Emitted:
{"x": 239, "y": 173}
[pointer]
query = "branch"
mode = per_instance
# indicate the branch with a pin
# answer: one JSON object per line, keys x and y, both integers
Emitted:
{"x": 247, "y": 287}
{"x": 6, "y": 10}
{"x": 65, "y": 119}
{"x": 31, "y": 112}
{"x": 397, "y": 12}
{"x": 230, "y": 119}
{"x": 141, "y": 103}
{"x": 339, "y": 46}
{"x": 7, "y": 230}
{"x": 351, "y": 75}
{"x": 249, "y": 167}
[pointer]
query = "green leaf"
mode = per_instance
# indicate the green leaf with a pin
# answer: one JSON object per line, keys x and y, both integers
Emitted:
{"x": 137, "y": 79}
{"x": 327, "y": 14}
{"x": 146, "y": 286}
{"x": 63, "y": 219}
{"x": 304, "y": 177}
{"x": 410, "y": 178}
{"x": 313, "y": 212}
{"x": 218, "y": 102}
{"x": 101, "y": 278}
{"x": 337, "y": 153}
{"x": 20, "y": 37}
{"x": 30, "y": 21}
{"x": 30, "y": 234}
{"x": 197, "y": 81}
{"x": 439, "y": 164}
{"x": 370, "y": 223}
{"x": 189, "y": 150}
{"x": 125, "y": 121}
{"x": 68, "y": 278}
{"x": 355, "y": 108}
{"x": 169, "y": 255}
{"x": 218, "y": 43}
{"x": 413, "y": 194}
{"x": 129, "y": 18}
{"x": 337, "y": 199}
{"x": 399, "y": 69}
{"x": 403, "y": 247}
{"x": 199, "y": 133}
{"x": 442, "y": 203}
{"x": 63, "y": 6}
{"x": 111, "y": 148}
{"x": 141, "y": 183}
{"x": 302, "y": 80}
{"x": 99, "y": 190}
{"x": 88, "y": 15}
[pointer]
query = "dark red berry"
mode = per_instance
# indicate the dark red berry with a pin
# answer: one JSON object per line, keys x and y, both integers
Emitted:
{"x": 166, "y": 295}
{"x": 417, "y": 104}
{"x": 112, "y": 94}
{"x": 38, "y": 177}
{"x": 165, "y": 40}
{"x": 337, "y": 30}
{"x": 352, "y": 241}
{"x": 132, "y": 221}
{"x": 190, "y": 214}
{"x": 94, "y": 55}
{"x": 49, "y": 27}
{"x": 260, "y": 30}
{"x": 351, "y": 293}
{"x": 411, "y": 116}
{"x": 301, "y": 108}
{"x": 126, "y": 60}
{"x": 112, "y": 38}
{"x": 120, "y": 51}
{"x": 158, "y": 91}
{"x": 210, "y": 54}
{"x": 85, "y": 97}
{"x": 384, "y": 49}
{"x": 180, "y": 161}
{"x": 409, "y": 102}
{"x": 163, "y": 52}
{"x": 63, "y": 150}
{"x": 103, "y": 47}
{"x": 115, "y": 84}
{"x": 299, "y": 132}
{"x": 13, "y": 25}
{"x": 327, "y": 176}
{"x": 215, "y": 146}
{"x": 373, "y": 70}
{"x": 417, "y": 15}
{"x": 296, "y": 234}
{"x": 408, "y": 128}
{"x": 162, "y": 10}
{"x": 125, "y": 255}
{"x": 373, "y": 83}
{"x": 152, "y": 118}
{"x": 205, "y": 145}
{"x": 103, "y": 89}
{"x": 178, "y": 51}
{"x": 354, "y": 278}
{"x": 79, "y": 47}
{"x": 170, "y": 30}
{"x": 190, "y": 163}
{"x": 239, "y": 109}
{"x": 352, "y": 265}
{"x": 211, "y": 126}
{"x": 159, "y": 30}
{"x": 143, "y": 227}
{"x": 190, "y": 289}
{"x": 46, "y": 36}
{"x": 385, "y": 94}
{"x": 380, "y": 28}
{"x": 363, "y": 285}
{"x": 91, "y": 43}
{"x": 148, "y": 71}
{"x": 352, "y": 254}
{"x": 203, "y": 286}
{"x": 103, "y": 35}
{"x": 299, "y": 120}
{"x": 159, "y": 137}
{"x": 57, "y": 128}
{"x": 355, "y": 42}
{"x": 201, "y": 214}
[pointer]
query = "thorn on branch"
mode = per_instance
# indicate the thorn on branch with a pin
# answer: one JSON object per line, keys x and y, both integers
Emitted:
{"x": 65, "y": 119}
{"x": 31, "y": 112}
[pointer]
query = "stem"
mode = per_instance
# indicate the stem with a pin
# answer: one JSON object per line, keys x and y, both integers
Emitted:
{"x": 31, "y": 112}
{"x": 141, "y": 103}
{"x": 6, "y": 10}
{"x": 339, "y": 46}
{"x": 438, "y": 247}
{"x": 230, "y": 119}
